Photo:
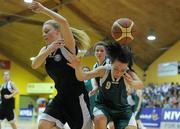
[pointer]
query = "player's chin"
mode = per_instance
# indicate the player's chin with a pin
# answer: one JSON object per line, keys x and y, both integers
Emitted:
{"x": 117, "y": 75}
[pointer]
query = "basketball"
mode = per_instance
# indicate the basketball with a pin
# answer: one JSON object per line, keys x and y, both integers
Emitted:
{"x": 123, "y": 30}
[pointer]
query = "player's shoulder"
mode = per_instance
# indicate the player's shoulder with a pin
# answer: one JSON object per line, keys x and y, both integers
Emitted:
{"x": 108, "y": 66}
{"x": 95, "y": 65}
{"x": 107, "y": 61}
{"x": 11, "y": 82}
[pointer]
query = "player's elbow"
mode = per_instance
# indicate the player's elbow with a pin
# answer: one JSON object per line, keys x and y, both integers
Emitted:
{"x": 17, "y": 91}
{"x": 63, "y": 22}
{"x": 34, "y": 65}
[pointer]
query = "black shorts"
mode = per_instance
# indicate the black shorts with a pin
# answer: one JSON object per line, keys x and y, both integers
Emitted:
{"x": 6, "y": 114}
{"x": 74, "y": 111}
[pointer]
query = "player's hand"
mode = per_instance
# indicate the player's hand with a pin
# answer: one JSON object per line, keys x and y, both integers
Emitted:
{"x": 128, "y": 78}
{"x": 7, "y": 96}
{"x": 92, "y": 92}
{"x": 36, "y": 7}
{"x": 56, "y": 45}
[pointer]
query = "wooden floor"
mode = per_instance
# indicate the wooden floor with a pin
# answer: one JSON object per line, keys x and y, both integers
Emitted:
{"x": 21, "y": 124}
{"x": 24, "y": 124}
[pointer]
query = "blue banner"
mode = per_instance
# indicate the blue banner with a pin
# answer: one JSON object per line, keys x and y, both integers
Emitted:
{"x": 26, "y": 112}
{"x": 170, "y": 115}
{"x": 151, "y": 117}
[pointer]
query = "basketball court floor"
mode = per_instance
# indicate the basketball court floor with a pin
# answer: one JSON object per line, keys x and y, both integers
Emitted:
{"x": 27, "y": 124}
{"x": 21, "y": 124}
{"x": 24, "y": 124}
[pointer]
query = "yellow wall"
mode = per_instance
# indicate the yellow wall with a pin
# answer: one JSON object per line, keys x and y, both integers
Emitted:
{"x": 48, "y": 79}
{"x": 20, "y": 77}
{"x": 173, "y": 54}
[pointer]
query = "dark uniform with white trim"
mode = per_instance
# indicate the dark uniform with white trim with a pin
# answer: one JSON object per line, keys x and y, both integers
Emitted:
{"x": 7, "y": 105}
{"x": 112, "y": 100}
{"x": 71, "y": 104}
{"x": 106, "y": 61}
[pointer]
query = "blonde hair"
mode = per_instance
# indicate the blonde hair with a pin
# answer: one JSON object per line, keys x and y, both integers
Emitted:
{"x": 82, "y": 40}
{"x": 6, "y": 72}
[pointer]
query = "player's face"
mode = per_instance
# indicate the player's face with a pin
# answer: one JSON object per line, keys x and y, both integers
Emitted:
{"x": 100, "y": 52}
{"x": 50, "y": 34}
{"x": 6, "y": 76}
{"x": 119, "y": 68}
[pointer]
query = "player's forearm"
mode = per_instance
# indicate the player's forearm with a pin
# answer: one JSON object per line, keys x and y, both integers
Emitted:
{"x": 137, "y": 84}
{"x": 54, "y": 15}
{"x": 39, "y": 59}
{"x": 14, "y": 93}
{"x": 95, "y": 85}
{"x": 80, "y": 75}
{"x": 95, "y": 89}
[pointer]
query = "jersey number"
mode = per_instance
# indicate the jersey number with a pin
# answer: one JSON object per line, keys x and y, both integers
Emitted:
{"x": 108, "y": 85}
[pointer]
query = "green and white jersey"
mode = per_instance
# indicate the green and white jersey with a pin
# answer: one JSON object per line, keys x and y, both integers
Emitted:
{"x": 112, "y": 93}
{"x": 106, "y": 61}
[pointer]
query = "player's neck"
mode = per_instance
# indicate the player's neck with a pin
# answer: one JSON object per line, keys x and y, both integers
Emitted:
{"x": 7, "y": 80}
{"x": 101, "y": 61}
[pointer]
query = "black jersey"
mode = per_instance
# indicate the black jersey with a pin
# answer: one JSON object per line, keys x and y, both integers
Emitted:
{"x": 71, "y": 104}
{"x": 63, "y": 75}
{"x": 106, "y": 61}
{"x": 7, "y": 104}
{"x": 113, "y": 93}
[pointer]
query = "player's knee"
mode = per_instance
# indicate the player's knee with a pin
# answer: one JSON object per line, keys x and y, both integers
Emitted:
{"x": 41, "y": 125}
{"x": 44, "y": 125}
{"x": 100, "y": 119}
{"x": 111, "y": 125}
{"x": 100, "y": 122}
